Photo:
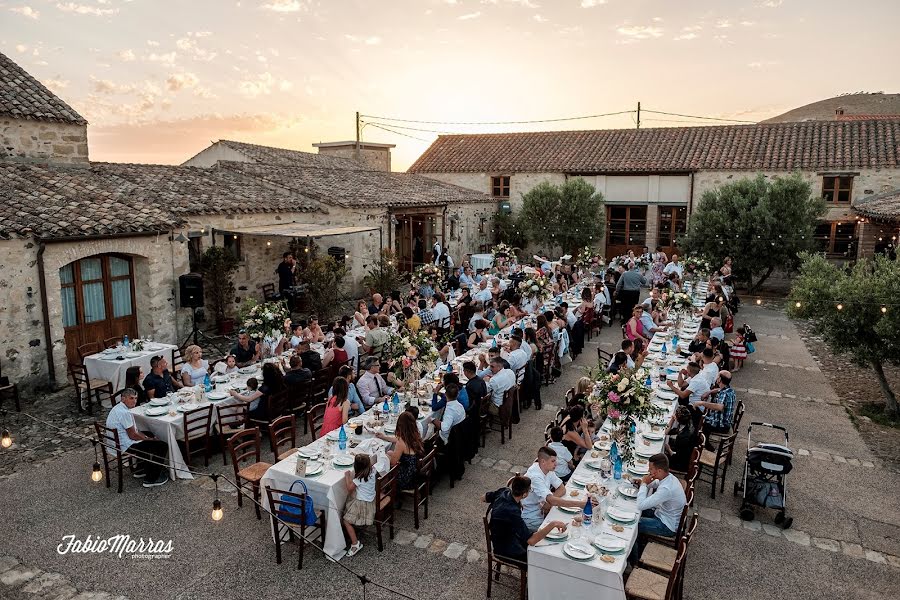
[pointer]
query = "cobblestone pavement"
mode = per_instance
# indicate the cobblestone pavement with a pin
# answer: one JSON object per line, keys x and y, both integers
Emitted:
{"x": 845, "y": 541}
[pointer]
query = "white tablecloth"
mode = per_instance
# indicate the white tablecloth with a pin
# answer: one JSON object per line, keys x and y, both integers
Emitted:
{"x": 552, "y": 574}
{"x": 111, "y": 369}
{"x": 482, "y": 261}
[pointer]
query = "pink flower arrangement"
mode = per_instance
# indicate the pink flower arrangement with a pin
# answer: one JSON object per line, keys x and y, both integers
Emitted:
{"x": 406, "y": 362}
{"x": 613, "y": 413}
{"x": 613, "y": 397}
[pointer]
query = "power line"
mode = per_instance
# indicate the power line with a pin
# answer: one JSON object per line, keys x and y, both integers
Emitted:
{"x": 659, "y": 112}
{"x": 374, "y": 124}
{"x": 398, "y": 132}
{"x": 621, "y": 112}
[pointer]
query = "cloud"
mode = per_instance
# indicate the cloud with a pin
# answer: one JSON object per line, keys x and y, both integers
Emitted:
{"x": 686, "y": 36}
{"x": 126, "y": 55}
{"x": 84, "y": 9}
{"x": 592, "y": 3}
{"x": 747, "y": 23}
{"x": 761, "y": 64}
{"x": 469, "y": 16}
{"x": 179, "y": 81}
{"x": 189, "y": 45}
{"x": 56, "y": 84}
{"x": 168, "y": 57}
{"x": 285, "y": 6}
{"x": 538, "y": 18}
{"x": 21, "y": 48}
{"x": 26, "y": 11}
{"x": 264, "y": 84}
{"x": 152, "y": 43}
{"x": 640, "y": 32}
{"x": 525, "y": 3}
{"x": 772, "y": 3}
{"x": 372, "y": 40}
{"x": 723, "y": 24}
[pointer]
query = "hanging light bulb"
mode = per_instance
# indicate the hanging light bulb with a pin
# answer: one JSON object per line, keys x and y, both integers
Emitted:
{"x": 797, "y": 304}
{"x": 883, "y": 309}
{"x": 268, "y": 243}
{"x": 758, "y": 301}
{"x": 96, "y": 473}
{"x": 5, "y": 439}
{"x": 217, "y": 512}
{"x": 840, "y": 307}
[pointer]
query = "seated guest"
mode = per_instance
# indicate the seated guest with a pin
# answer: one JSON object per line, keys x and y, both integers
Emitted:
{"x": 337, "y": 408}
{"x": 376, "y": 304}
{"x": 619, "y": 360}
{"x": 297, "y": 374}
{"x": 195, "y": 369}
{"x": 699, "y": 341}
{"x": 709, "y": 369}
{"x": 466, "y": 280}
{"x": 297, "y": 328}
{"x": 583, "y": 389}
{"x": 479, "y": 335}
{"x": 351, "y": 347}
{"x": 648, "y": 324}
{"x": 376, "y": 338}
{"x": 160, "y": 382}
{"x": 413, "y": 322}
{"x": 720, "y": 411}
{"x": 454, "y": 413}
{"x": 439, "y": 400}
{"x": 356, "y": 405}
{"x": 690, "y": 390}
{"x": 565, "y": 463}
{"x": 577, "y": 431}
{"x": 477, "y": 315}
{"x": 362, "y": 314}
{"x": 134, "y": 375}
{"x": 426, "y": 317}
{"x": 634, "y": 329}
{"x": 517, "y": 356}
{"x": 335, "y": 352}
{"x": 141, "y": 445}
{"x": 498, "y": 382}
{"x": 230, "y": 364}
{"x": 722, "y": 352}
{"x": 660, "y": 501}
{"x": 682, "y": 438}
{"x": 257, "y": 397}
{"x": 476, "y": 389}
{"x": 546, "y": 488}
{"x": 313, "y": 332}
{"x": 371, "y": 385}
{"x": 639, "y": 353}
{"x": 311, "y": 359}
{"x": 510, "y": 535}
{"x": 408, "y": 447}
{"x": 483, "y": 294}
{"x": 715, "y": 328}
{"x": 247, "y": 351}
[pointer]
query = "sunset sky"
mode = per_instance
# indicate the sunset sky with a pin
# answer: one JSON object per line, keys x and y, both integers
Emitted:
{"x": 159, "y": 79}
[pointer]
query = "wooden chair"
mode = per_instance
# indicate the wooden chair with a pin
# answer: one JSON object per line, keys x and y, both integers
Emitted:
{"x": 10, "y": 389}
{"x": 735, "y": 426}
{"x": 197, "y": 426}
{"x": 495, "y": 561}
{"x": 385, "y": 499}
{"x": 87, "y": 388}
{"x": 692, "y": 466}
{"x": 504, "y": 419}
{"x": 111, "y": 342}
{"x": 111, "y": 449}
{"x": 282, "y": 432}
{"x": 244, "y": 446}
{"x": 549, "y": 360}
{"x": 298, "y": 402}
{"x": 485, "y": 417}
{"x": 422, "y": 488}
{"x": 177, "y": 361}
{"x": 660, "y": 558}
{"x": 672, "y": 542}
{"x": 647, "y": 585}
{"x": 604, "y": 357}
{"x": 713, "y": 462}
{"x": 268, "y": 292}
{"x": 232, "y": 419}
{"x": 282, "y": 507}
{"x": 315, "y": 417}
{"x": 88, "y": 349}
{"x": 276, "y": 406}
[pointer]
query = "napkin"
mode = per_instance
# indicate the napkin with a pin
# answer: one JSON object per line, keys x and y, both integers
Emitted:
{"x": 220, "y": 367}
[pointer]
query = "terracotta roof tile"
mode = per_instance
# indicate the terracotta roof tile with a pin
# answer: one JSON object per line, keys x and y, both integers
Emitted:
{"x": 813, "y": 145}
{"x": 293, "y": 158}
{"x": 880, "y": 206}
{"x": 24, "y": 97}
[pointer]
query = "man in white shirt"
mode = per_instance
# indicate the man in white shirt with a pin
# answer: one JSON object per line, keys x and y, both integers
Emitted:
{"x": 436, "y": 250}
{"x": 709, "y": 369}
{"x": 564, "y": 463}
{"x": 440, "y": 311}
{"x": 478, "y": 307}
{"x": 547, "y": 490}
{"x": 141, "y": 445}
{"x": 674, "y": 267}
{"x": 601, "y": 297}
{"x": 454, "y": 413}
{"x": 466, "y": 279}
{"x": 692, "y": 388}
{"x": 483, "y": 294}
{"x": 660, "y": 501}
{"x": 500, "y": 380}
{"x": 648, "y": 301}
{"x": 516, "y": 357}
{"x": 627, "y": 348}
{"x": 371, "y": 386}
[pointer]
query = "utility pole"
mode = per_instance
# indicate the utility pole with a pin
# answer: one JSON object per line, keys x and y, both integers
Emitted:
{"x": 638, "y": 116}
{"x": 357, "y": 135}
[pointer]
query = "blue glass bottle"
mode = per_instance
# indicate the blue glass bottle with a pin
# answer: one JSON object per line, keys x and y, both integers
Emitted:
{"x": 395, "y": 401}
{"x": 587, "y": 513}
{"x": 665, "y": 349}
{"x": 207, "y": 384}
{"x": 126, "y": 342}
{"x": 342, "y": 439}
{"x": 385, "y": 408}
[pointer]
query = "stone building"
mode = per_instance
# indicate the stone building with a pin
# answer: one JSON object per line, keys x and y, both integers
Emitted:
{"x": 652, "y": 179}
{"x": 90, "y": 251}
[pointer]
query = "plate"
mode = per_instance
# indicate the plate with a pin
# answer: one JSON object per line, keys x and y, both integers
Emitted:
{"x": 643, "y": 453}
{"x": 333, "y": 435}
{"x": 639, "y": 470}
{"x": 622, "y": 516}
{"x": 557, "y": 536}
{"x": 216, "y": 395}
{"x": 314, "y": 468}
{"x": 603, "y": 445}
{"x": 247, "y": 370}
{"x": 343, "y": 460}
{"x": 390, "y": 429}
{"x": 579, "y": 552}
{"x": 308, "y": 453}
{"x": 653, "y": 435}
{"x": 156, "y": 411}
{"x": 666, "y": 394}
{"x": 593, "y": 464}
{"x": 186, "y": 407}
{"x": 132, "y": 354}
{"x": 582, "y": 479}
{"x": 629, "y": 491}
{"x": 609, "y": 543}
{"x": 159, "y": 402}
{"x": 570, "y": 509}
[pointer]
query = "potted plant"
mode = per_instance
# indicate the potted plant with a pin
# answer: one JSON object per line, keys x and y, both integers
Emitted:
{"x": 383, "y": 277}
{"x": 218, "y": 265}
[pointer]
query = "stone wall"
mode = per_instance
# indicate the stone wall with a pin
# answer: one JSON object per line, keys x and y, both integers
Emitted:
{"x": 376, "y": 158}
{"x": 43, "y": 141}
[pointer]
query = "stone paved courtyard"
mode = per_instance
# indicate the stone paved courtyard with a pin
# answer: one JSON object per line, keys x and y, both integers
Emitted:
{"x": 845, "y": 542}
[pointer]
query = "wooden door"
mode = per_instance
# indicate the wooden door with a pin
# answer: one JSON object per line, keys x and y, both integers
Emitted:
{"x": 672, "y": 223}
{"x": 626, "y": 229}
{"x": 97, "y": 295}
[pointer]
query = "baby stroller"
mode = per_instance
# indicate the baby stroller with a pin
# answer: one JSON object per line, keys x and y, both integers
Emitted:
{"x": 765, "y": 470}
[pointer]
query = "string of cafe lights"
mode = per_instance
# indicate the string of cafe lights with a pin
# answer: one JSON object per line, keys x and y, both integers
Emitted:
{"x": 217, "y": 513}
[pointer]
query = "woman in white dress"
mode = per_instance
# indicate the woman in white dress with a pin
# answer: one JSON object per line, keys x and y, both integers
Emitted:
{"x": 195, "y": 369}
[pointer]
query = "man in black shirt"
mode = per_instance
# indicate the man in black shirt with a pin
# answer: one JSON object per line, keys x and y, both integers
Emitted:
{"x": 246, "y": 352}
{"x": 297, "y": 374}
{"x": 285, "y": 271}
{"x": 160, "y": 382}
{"x": 510, "y": 536}
{"x": 699, "y": 342}
{"x": 311, "y": 358}
{"x": 476, "y": 389}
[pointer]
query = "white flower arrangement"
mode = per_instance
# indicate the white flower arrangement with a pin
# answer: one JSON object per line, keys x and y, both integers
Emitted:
{"x": 536, "y": 288}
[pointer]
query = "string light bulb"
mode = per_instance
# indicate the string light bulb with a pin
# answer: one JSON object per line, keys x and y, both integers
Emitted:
{"x": 797, "y": 304}
{"x": 883, "y": 309}
{"x": 96, "y": 473}
{"x": 840, "y": 307}
{"x": 217, "y": 512}
{"x": 5, "y": 439}
{"x": 758, "y": 301}
{"x": 268, "y": 243}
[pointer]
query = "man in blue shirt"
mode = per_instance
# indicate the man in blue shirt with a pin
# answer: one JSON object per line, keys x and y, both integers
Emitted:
{"x": 647, "y": 323}
{"x": 720, "y": 413}
{"x": 160, "y": 382}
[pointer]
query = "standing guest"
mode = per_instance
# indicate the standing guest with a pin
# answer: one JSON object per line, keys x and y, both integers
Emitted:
{"x": 657, "y": 272}
{"x": 725, "y": 271}
{"x": 510, "y": 534}
{"x": 628, "y": 289}
{"x": 660, "y": 501}
{"x": 247, "y": 351}
{"x": 134, "y": 375}
{"x": 360, "y": 508}
{"x": 195, "y": 369}
{"x": 739, "y": 348}
{"x": 413, "y": 322}
{"x": 361, "y": 314}
{"x": 139, "y": 444}
{"x": 454, "y": 413}
{"x": 371, "y": 385}
{"x": 720, "y": 412}
{"x": 547, "y": 489}
{"x": 435, "y": 249}
{"x": 714, "y": 309}
{"x": 160, "y": 382}
{"x": 674, "y": 267}
{"x": 565, "y": 463}
{"x": 285, "y": 271}
{"x": 408, "y": 447}
{"x": 311, "y": 359}
{"x": 337, "y": 409}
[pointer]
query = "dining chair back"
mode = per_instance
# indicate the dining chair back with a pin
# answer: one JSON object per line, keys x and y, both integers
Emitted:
{"x": 495, "y": 562}
{"x": 88, "y": 349}
{"x": 197, "y": 425}
{"x": 7, "y": 388}
{"x": 315, "y": 417}
{"x": 283, "y": 433}
{"x": 232, "y": 419}
{"x": 284, "y": 506}
{"x": 111, "y": 449}
{"x": 713, "y": 462}
{"x": 421, "y": 489}
{"x": 385, "y": 499}
{"x": 244, "y": 447}
{"x": 111, "y": 342}
{"x": 87, "y": 390}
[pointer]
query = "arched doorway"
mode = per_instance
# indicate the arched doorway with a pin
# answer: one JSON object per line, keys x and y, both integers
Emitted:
{"x": 97, "y": 294}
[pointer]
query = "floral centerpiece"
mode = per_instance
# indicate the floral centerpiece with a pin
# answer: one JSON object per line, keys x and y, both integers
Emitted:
{"x": 642, "y": 262}
{"x": 265, "y": 321}
{"x": 625, "y": 399}
{"x": 536, "y": 288}
{"x": 679, "y": 300}
{"x": 502, "y": 251}
{"x": 409, "y": 355}
{"x": 696, "y": 265}
{"x": 589, "y": 257}
{"x": 427, "y": 278}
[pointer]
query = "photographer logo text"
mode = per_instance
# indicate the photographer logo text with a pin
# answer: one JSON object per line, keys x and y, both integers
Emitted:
{"x": 122, "y": 545}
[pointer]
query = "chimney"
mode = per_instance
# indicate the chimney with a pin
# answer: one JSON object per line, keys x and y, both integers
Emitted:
{"x": 375, "y": 156}
{"x": 839, "y": 111}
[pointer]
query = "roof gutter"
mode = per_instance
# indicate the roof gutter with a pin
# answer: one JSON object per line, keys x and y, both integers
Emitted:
{"x": 45, "y": 313}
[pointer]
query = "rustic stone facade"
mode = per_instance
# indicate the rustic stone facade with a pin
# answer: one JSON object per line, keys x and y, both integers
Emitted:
{"x": 43, "y": 141}
{"x": 374, "y": 158}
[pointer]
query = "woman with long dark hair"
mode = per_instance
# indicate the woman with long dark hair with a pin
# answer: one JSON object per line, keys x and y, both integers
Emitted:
{"x": 133, "y": 378}
{"x": 337, "y": 409}
{"x": 408, "y": 447}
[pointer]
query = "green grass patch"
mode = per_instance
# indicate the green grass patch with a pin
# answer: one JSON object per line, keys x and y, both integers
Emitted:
{"x": 875, "y": 411}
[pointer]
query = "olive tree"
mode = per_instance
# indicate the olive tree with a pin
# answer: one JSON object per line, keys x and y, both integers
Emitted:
{"x": 567, "y": 216}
